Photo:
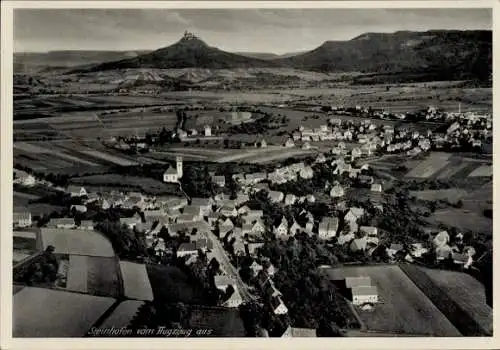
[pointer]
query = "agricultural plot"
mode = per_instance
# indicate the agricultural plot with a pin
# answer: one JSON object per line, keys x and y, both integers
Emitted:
{"x": 116, "y": 181}
{"x": 431, "y": 165}
{"x": 451, "y": 194}
{"x": 451, "y": 170}
{"x": 224, "y": 322}
{"x": 482, "y": 171}
{"x": 136, "y": 283}
{"x": 461, "y": 219}
{"x": 416, "y": 314}
{"x": 109, "y": 158}
{"x": 459, "y": 296}
{"x": 75, "y": 242}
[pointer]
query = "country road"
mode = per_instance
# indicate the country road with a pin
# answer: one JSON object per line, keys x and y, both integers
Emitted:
{"x": 230, "y": 269}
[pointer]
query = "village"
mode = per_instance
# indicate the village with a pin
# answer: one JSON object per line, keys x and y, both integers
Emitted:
{"x": 215, "y": 238}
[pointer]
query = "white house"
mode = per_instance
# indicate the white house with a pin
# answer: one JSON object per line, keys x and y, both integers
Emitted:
{"x": 370, "y": 231}
{"x": 276, "y": 196}
{"x": 234, "y": 300}
{"x": 441, "y": 239}
{"x": 23, "y": 178}
{"x": 86, "y": 225}
{"x": 170, "y": 175}
{"x": 294, "y": 228}
{"x": 208, "y": 131}
{"x": 62, "y": 223}
{"x": 229, "y": 211}
{"x": 376, "y": 188}
{"x": 76, "y": 191}
{"x": 282, "y": 228}
{"x": 21, "y": 219}
{"x": 290, "y": 199}
{"x": 289, "y": 143}
{"x": 306, "y": 173}
{"x": 337, "y": 191}
{"x": 352, "y": 216}
{"x": 364, "y": 294}
{"x": 278, "y": 306}
{"x": 328, "y": 227}
{"x": 320, "y": 158}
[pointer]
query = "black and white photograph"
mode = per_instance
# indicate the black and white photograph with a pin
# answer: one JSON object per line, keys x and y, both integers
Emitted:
{"x": 251, "y": 172}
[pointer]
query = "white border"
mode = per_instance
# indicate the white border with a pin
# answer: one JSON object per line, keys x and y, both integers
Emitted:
{"x": 251, "y": 343}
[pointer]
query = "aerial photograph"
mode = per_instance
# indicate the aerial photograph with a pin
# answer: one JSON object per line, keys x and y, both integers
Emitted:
{"x": 255, "y": 172}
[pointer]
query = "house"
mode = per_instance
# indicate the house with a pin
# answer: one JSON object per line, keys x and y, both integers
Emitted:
{"x": 235, "y": 300}
{"x": 228, "y": 211}
{"x": 252, "y": 248}
{"x": 187, "y": 217}
{"x": 441, "y": 239}
{"x": 356, "y": 153}
{"x": 21, "y": 219}
{"x": 241, "y": 198}
{"x": 78, "y": 208}
{"x": 76, "y": 191}
{"x": 269, "y": 268}
{"x": 337, "y": 191}
{"x": 208, "y": 131}
{"x": 443, "y": 252}
{"x": 212, "y": 218}
{"x": 131, "y": 222}
{"x": 186, "y": 249}
{"x": 255, "y": 178}
{"x": 306, "y": 146}
{"x": 293, "y": 332}
{"x": 370, "y": 231}
{"x": 366, "y": 180}
{"x": 310, "y": 198}
{"x": 204, "y": 203}
{"x": 62, "y": 223}
{"x": 417, "y": 250}
{"x": 376, "y": 188}
{"x": 282, "y": 228}
{"x": 357, "y": 281}
{"x": 327, "y": 227}
{"x": 255, "y": 267}
{"x": 462, "y": 259}
{"x": 86, "y": 225}
{"x": 253, "y": 215}
{"x": 239, "y": 248}
{"x": 278, "y": 306}
{"x": 358, "y": 244}
{"x": 289, "y": 143}
{"x": 220, "y": 180}
{"x": 321, "y": 158}
{"x": 352, "y": 216}
{"x": 170, "y": 175}
{"x": 393, "y": 249}
{"x": 306, "y": 173}
{"x": 221, "y": 282}
{"x": 364, "y": 294}
{"x": 290, "y": 199}
{"x": 243, "y": 210}
{"x": 295, "y": 228}
{"x": 23, "y": 178}
{"x": 225, "y": 227}
{"x": 276, "y": 196}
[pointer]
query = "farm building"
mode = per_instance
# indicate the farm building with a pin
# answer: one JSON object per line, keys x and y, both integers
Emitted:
{"x": 443, "y": 252}
{"x": 277, "y": 305}
{"x": 228, "y": 211}
{"x": 220, "y": 180}
{"x": 276, "y": 196}
{"x": 289, "y": 143}
{"x": 131, "y": 222}
{"x": 306, "y": 173}
{"x": 253, "y": 247}
{"x": 370, "y": 231}
{"x": 186, "y": 249}
{"x": 376, "y": 188}
{"x": 337, "y": 191}
{"x": 255, "y": 267}
{"x": 136, "y": 282}
{"x": 441, "y": 239}
{"x": 364, "y": 294}
{"x": 76, "y": 191}
{"x": 21, "y": 219}
{"x": 294, "y": 332}
{"x": 294, "y": 228}
{"x": 393, "y": 249}
{"x": 62, "y": 223}
{"x": 328, "y": 227}
{"x": 359, "y": 244}
{"x": 86, "y": 225}
{"x": 282, "y": 228}
{"x": 170, "y": 175}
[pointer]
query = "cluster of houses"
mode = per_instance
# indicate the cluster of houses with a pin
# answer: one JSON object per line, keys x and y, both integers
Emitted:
{"x": 462, "y": 257}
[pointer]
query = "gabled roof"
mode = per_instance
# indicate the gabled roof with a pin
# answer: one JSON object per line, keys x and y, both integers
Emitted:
{"x": 357, "y": 281}
{"x": 187, "y": 247}
{"x": 201, "y": 201}
{"x": 364, "y": 291}
{"x": 357, "y": 212}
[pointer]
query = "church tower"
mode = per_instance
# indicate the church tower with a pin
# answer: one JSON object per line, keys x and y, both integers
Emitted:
{"x": 179, "y": 167}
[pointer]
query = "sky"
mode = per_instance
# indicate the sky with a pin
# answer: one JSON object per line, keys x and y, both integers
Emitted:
{"x": 237, "y": 30}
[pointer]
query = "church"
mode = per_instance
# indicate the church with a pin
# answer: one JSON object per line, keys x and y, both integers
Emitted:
{"x": 173, "y": 174}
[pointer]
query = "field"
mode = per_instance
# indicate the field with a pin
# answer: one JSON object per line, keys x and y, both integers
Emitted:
{"x": 171, "y": 285}
{"x": 136, "y": 283}
{"x": 445, "y": 166}
{"x": 403, "y": 307}
{"x": 462, "y": 219}
{"x": 24, "y": 245}
{"x": 428, "y": 167}
{"x": 459, "y": 296}
{"x": 123, "y": 314}
{"x": 116, "y": 181}
{"x": 76, "y": 242}
{"x": 55, "y": 313}
{"x": 452, "y": 194}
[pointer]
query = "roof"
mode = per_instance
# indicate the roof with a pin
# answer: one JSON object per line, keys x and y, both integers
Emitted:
{"x": 192, "y": 209}
{"x": 255, "y": 213}
{"x": 203, "y": 202}
{"x": 276, "y": 301}
{"x": 62, "y": 221}
{"x": 136, "y": 283}
{"x": 86, "y": 223}
{"x": 187, "y": 247}
{"x": 228, "y": 223}
{"x": 40, "y": 312}
{"x": 123, "y": 314}
{"x": 364, "y": 290}
{"x": 219, "y": 178}
{"x": 396, "y": 247}
{"x": 187, "y": 217}
{"x": 328, "y": 223}
{"x": 67, "y": 241}
{"x": 357, "y": 281}
{"x": 369, "y": 230}
{"x": 303, "y": 333}
{"x": 223, "y": 280}
{"x": 171, "y": 171}
{"x": 359, "y": 244}
{"x": 357, "y": 212}
{"x": 21, "y": 216}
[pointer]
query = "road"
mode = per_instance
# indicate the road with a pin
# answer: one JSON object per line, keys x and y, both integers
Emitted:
{"x": 227, "y": 266}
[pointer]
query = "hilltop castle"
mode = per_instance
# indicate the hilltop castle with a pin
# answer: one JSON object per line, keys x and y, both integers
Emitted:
{"x": 189, "y": 36}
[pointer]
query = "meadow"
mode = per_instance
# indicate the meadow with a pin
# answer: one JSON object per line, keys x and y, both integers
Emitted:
{"x": 402, "y": 309}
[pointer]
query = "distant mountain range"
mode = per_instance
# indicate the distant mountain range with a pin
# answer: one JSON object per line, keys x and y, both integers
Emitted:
{"x": 435, "y": 54}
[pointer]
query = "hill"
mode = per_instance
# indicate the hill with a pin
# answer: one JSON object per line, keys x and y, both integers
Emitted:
{"x": 41, "y": 61}
{"x": 269, "y": 56}
{"x": 188, "y": 52}
{"x": 435, "y": 54}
